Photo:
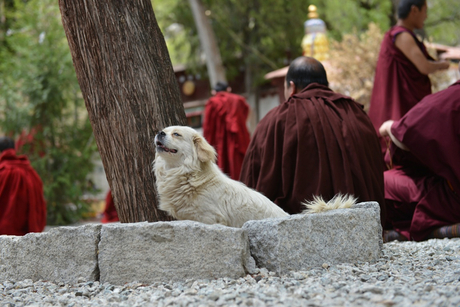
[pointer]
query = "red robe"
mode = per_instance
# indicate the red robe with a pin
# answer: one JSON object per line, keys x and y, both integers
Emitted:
{"x": 316, "y": 143}
{"x": 22, "y": 204}
{"x": 110, "y": 212}
{"x": 398, "y": 84}
{"x": 224, "y": 127}
{"x": 423, "y": 193}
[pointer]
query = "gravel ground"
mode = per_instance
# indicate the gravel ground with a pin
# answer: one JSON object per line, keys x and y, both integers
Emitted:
{"x": 407, "y": 274}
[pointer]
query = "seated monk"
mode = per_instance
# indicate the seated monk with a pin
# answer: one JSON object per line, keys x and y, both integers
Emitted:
{"x": 22, "y": 203}
{"x": 316, "y": 143}
{"x": 422, "y": 192}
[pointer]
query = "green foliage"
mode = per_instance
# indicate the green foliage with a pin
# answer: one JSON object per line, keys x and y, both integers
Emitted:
{"x": 344, "y": 17}
{"x": 443, "y": 22}
{"x": 250, "y": 34}
{"x": 176, "y": 21}
{"x": 261, "y": 36}
{"x": 39, "y": 91}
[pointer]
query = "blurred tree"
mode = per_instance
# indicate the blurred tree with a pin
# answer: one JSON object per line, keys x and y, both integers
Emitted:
{"x": 259, "y": 36}
{"x": 216, "y": 70}
{"x": 345, "y": 17}
{"x": 265, "y": 35}
{"x": 39, "y": 92}
{"x": 443, "y": 23}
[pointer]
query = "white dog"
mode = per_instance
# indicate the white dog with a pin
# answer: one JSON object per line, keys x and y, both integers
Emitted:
{"x": 192, "y": 187}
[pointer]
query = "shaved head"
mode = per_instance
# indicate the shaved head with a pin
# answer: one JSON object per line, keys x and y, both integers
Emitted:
{"x": 304, "y": 71}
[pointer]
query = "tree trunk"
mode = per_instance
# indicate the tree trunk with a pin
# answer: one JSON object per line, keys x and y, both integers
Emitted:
{"x": 216, "y": 70}
{"x": 249, "y": 39}
{"x": 130, "y": 91}
{"x": 394, "y": 12}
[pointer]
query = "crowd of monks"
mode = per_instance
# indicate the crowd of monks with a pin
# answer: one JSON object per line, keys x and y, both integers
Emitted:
{"x": 402, "y": 154}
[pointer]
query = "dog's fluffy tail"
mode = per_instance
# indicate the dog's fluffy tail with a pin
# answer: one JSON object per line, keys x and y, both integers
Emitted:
{"x": 318, "y": 204}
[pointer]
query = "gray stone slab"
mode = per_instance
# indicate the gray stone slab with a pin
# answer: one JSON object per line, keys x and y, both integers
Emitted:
{"x": 300, "y": 242}
{"x": 171, "y": 251}
{"x": 63, "y": 254}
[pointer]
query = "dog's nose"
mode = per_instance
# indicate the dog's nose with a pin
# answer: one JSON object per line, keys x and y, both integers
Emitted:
{"x": 161, "y": 133}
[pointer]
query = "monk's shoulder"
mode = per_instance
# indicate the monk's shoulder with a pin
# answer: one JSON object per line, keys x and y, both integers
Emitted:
{"x": 273, "y": 120}
{"x": 404, "y": 40}
{"x": 12, "y": 172}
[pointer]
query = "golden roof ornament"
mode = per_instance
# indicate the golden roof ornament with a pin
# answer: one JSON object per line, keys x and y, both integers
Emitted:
{"x": 315, "y": 43}
{"x": 312, "y": 13}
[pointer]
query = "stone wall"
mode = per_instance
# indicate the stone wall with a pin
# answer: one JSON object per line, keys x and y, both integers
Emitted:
{"x": 181, "y": 250}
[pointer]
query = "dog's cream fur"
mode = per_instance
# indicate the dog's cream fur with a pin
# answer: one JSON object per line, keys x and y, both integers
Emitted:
{"x": 192, "y": 187}
{"x": 318, "y": 204}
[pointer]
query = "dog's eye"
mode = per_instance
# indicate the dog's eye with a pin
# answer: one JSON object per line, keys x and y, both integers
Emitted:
{"x": 176, "y": 134}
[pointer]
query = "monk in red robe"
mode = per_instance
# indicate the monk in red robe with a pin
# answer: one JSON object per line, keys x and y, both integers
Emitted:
{"x": 423, "y": 192}
{"x": 224, "y": 127}
{"x": 22, "y": 203}
{"x": 110, "y": 214}
{"x": 315, "y": 143}
{"x": 401, "y": 77}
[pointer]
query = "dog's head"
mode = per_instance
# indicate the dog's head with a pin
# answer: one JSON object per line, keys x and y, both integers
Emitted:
{"x": 180, "y": 145}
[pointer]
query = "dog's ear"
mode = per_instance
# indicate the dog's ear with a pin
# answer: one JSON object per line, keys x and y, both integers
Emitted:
{"x": 205, "y": 151}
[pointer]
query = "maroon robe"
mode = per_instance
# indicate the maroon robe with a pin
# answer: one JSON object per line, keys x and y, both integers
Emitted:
{"x": 316, "y": 143}
{"x": 22, "y": 204}
{"x": 110, "y": 214}
{"x": 398, "y": 84}
{"x": 422, "y": 194}
{"x": 224, "y": 127}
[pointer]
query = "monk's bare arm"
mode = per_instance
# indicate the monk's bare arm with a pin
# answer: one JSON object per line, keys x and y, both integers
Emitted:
{"x": 385, "y": 130}
{"x": 406, "y": 43}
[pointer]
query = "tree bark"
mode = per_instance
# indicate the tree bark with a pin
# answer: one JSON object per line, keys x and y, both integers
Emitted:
{"x": 214, "y": 64}
{"x": 130, "y": 91}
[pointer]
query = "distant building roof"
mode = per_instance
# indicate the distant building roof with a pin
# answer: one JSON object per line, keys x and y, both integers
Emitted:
{"x": 277, "y": 73}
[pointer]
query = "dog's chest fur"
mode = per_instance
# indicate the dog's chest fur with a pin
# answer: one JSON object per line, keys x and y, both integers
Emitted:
{"x": 180, "y": 191}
